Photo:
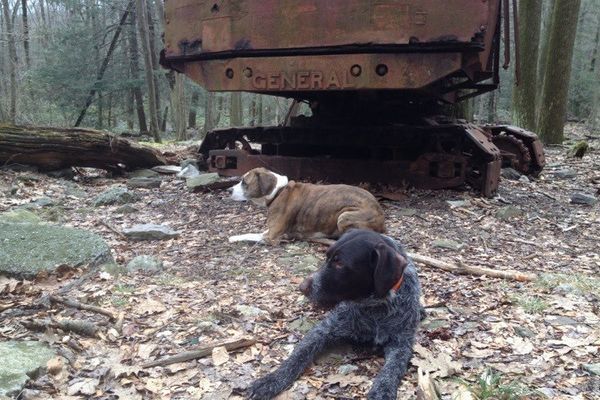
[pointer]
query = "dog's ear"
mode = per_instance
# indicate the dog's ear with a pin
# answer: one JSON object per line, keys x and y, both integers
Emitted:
{"x": 266, "y": 182}
{"x": 388, "y": 268}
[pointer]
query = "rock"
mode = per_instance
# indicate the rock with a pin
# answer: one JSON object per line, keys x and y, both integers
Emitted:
{"x": 74, "y": 190}
{"x": 65, "y": 173}
{"x": 20, "y": 361}
{"x": 448, "y": 244}
{"x": 167, "y": 169}
{"x": 510, "y": 174}
{"x": 150, "y": 232}
{"x": 524, "y": 332}
{"x": 189, "y": 161}
{"x": 559, "y": 320}
{"x": 302, "y": 324}
{"x": 39, "y": 203}
{"x": 48, "y": 246}
{"x": 458, "y": 203}
{"x": 432, "y": 325}
{"x": 201, "y": 180}
{"x": 143, "y": 173}
{"x": 593, "y": 369}
{"x": 144, "y": 183}
{"x": 407, "y": 212}
{"x": 524, "y": 179}
{"x": 563, "y": 289}
{"x": 249, "y": 311}
{"x": 126, "y": 209}
{"x": 188, "y": 172}
{"x": 19, "y": 216}
{"x": 579, "y": 149}
{"x": 115, "y": 195}
{"x": 564, "y": 173}
{"x": 114, "y": 269}
{"x": 347, "y": 369}
{"x": 584, "y": 199}
{"x": 145, "y": 263}
{"x": 508, "y": 212}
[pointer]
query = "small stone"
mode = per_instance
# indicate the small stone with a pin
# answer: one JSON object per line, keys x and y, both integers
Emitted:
{"x": 126, "y": 209}
{"x": 563, "y": 289}
{"x": 54, "y": 365}
{"x": 524, "y": 332}
{"x": 167, "y": 169}
{"x": 189, "y": 161}
{"x": 432, "y": 325}
{"x": 302, "y": 324}
{"x": 564, "y": 173}
{"x": 511, "y": 174}
{"x": 508, "y": 212}
{"x": 347, "y": 369}
{"x": 448, "y": 244}
{"x": 458, "y": 203}
{"x": 144, "y": 183}
{"x": 114, "y": 269}
{"x": 143, "y": 173}
{"x": 584, "y": 199}
{"x": 188, "y": 172}
{"x": 524, "y": 179}
{"x": 202, "y": 180}
{"x": 115, "y": 195}
{"x": 249, "y": 311}
{"x": 74, "y": 190}
{"x": 407, "y": 212}
{"x": 559, "y": 320}
{"x": 43, "y": 202}
{"x": 150, "y": 232}
{"x": 593, "y": 369}
{"x": 145, "y": 263}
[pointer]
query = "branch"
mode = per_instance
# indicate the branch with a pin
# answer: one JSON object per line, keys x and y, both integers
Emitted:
{"x": 82, "y": 306}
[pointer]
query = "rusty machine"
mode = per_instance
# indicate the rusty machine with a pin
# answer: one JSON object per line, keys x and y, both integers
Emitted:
{"x": 376, "y": 74}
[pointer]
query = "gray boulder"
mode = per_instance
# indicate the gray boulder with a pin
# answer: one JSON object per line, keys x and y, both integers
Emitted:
{"x": 115, "y": 195}
{"x": 21, "y": 360}
{"x": 167, "y": 169}
{"x": 202, "y": 180}
{"x": 28, "y": 248}
{"x": 150, "y": 232}
{"x": 143, "y": 173}
{"x": 188, "y": 172}
{"x": 189, "y": 161}
{"x": 583, "y": 199}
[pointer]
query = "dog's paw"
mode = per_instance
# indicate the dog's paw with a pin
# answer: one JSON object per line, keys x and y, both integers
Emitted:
{"x": 266, "y": 388}
{"x": 248, "y": 237}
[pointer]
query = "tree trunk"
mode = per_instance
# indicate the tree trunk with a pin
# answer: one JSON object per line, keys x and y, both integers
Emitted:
{"x": 12, "y": 61}
{"x": 209, "y": 113}
{"x": 193, "y": 108}
{"x": 547, "y": 8}
{"x": 56, "y": 148}
{"x": 491, "y": 107}
{"x": 134, "y": 65}
{"x": 236, "y": 109}
{"x": 100, "y": 75}
{"x": 178, "y": 106}
{"x": 145, "y": 37}
{"x": 553, "y": 105}
{"x": 524, "y": 94}
{"x": 154, "y": 57}
{"x": 25, "y": 33}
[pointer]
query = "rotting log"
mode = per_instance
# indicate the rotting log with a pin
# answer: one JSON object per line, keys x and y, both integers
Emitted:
{"x": 51, "y": 148}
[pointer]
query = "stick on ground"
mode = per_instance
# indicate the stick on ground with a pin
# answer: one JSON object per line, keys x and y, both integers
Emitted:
{"x": 82, "y": 306}
{"x": 199, "y": 353}
{"x": 462, "y": 269}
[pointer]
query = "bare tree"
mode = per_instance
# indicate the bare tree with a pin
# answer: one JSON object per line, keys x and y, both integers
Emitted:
{"x": 12, "y": 61}
{"x": 236, "y": 109}
{"x": 134, "y": 67}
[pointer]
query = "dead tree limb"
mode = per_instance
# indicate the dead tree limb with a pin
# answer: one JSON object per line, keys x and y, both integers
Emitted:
{"x": 56, "y": 148}
{"x": 461, "y": 269}
{"x": 199, "y": 353}
{"x": 82, "y": 306}
{"x": 81, "y": 327}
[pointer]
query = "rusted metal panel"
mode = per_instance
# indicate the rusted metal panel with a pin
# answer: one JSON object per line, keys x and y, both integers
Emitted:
{"x": 329, "y": 72}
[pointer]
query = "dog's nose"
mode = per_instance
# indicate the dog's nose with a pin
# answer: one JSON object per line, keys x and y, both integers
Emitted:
{"x": 306, "y": 285}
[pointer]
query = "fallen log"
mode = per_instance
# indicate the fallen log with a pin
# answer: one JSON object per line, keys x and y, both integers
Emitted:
{"x": 199, "y": 353}
{"x": 55, "y": 148}
{"x": 461, "y": 269}
{"x": 82, "y": 306}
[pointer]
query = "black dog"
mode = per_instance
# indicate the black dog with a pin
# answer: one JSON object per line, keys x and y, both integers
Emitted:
{"x": 374, "y": 287}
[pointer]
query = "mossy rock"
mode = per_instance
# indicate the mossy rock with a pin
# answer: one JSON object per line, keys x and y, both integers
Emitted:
{"x": 27, "y": 249}
{"x": 115, "y": 195}
{"x": 21, "y": 360}
{"x": 19, "y": 216}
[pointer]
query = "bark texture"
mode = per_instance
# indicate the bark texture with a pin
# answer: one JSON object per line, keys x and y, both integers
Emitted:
{"x": 55, "y": 148}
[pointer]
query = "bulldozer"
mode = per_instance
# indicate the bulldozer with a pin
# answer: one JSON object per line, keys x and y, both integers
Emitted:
{"x": 378, "y": 77}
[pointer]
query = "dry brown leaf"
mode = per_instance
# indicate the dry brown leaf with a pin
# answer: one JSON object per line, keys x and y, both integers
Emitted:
{"x": 220, "y": 355}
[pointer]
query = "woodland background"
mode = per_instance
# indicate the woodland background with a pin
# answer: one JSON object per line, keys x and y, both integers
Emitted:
{"x": 57, "y": 56}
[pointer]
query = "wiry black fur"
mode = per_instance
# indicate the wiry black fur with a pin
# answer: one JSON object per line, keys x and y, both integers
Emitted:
{"x": 389, "y": 322}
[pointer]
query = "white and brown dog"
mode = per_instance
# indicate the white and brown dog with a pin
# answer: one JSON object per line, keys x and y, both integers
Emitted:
{"x": 304, "y": 210}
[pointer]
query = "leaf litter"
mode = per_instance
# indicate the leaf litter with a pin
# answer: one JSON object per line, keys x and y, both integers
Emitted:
{"x": 539, "y": 334}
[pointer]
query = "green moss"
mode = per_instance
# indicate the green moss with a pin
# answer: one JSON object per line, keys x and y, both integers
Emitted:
{"x": 19, "y": 216}
{"x": 21, "y": 360}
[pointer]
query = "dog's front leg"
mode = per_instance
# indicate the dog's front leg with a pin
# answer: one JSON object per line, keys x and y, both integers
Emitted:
{"x": 303, "y": 355}
{"x": 249, "y": 237}
{"x": 397, "y": 356}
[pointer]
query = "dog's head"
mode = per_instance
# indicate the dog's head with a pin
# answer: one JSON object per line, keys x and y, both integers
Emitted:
{"x": 258, "y": 185}
{"x": 359, "y": 265}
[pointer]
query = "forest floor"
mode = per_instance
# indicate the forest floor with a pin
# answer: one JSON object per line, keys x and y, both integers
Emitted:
{"x": 483, "y": 337}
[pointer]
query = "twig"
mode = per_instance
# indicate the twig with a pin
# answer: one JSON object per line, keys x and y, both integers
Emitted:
{"x": 81, "y": 306}
{"x": 113, "y": 229}
{"x": 462, "y": 269}
{"x": 199, "y": 353}
{"x": 81, "y": 327}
